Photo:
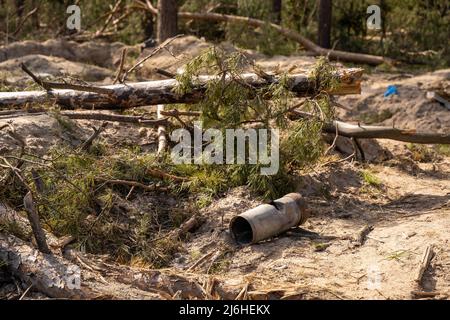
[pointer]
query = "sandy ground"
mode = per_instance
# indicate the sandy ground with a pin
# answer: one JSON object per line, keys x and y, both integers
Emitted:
{"x": 408, "y": 211}
{"x": 321, "y": 259}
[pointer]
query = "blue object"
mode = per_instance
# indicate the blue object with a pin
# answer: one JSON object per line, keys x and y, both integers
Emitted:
{"x": 390, "y": 91}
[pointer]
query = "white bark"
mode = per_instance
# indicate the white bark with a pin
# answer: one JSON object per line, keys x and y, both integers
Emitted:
{"x": 130, "y": 95}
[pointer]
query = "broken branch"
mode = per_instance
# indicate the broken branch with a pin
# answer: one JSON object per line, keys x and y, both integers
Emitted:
{"x": 48, "y": 85}
{"x": 162, "y": 137}
{"x": 33, "y": 217}
{"x": 164, "y": 175}
{"x": 377, "y": 132}
{"x": 77, "y": 115}
{"x": 424, "y": 263}
{"x": 135, "y": 184}
{"x": 22, "y": 22}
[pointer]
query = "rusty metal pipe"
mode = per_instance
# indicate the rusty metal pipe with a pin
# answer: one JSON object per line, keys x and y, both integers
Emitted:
{"x": 268, "y": 220}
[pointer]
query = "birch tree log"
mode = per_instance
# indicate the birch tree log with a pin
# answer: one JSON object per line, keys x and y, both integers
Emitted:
{"x": 130, "y": 95}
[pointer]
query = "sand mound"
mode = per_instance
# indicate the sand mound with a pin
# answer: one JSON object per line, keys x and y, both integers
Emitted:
{"x": 51, "y": 66}
{"x": 93, "y": 52}
{"x": 410, "y": 109}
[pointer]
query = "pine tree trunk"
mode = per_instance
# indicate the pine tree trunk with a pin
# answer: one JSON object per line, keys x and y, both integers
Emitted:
{"x": 276, "y": 8}
{"x": 147, "y": 25}
{"x": 20, "y": 7}
{"x": 35, "y": 17}
{"x": 167, "y": 19}
{"x": 325, "y": 11}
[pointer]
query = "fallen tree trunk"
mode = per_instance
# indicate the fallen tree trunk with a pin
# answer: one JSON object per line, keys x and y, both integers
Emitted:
{"x": 378, "y": 132}
{"x": 59, "y": 278}
{"x": 113, "y": 117}
{"x": 47, "y": 273}
{"x": 289, "y": 34}
{"x": 130, "y": 95}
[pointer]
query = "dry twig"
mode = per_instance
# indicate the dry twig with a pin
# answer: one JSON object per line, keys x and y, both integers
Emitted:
{"x": 155, "y": 51}
{"x": 88, "y": 143}
{"x": 121, "y": 64}
{"x": 424, "y": 263}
